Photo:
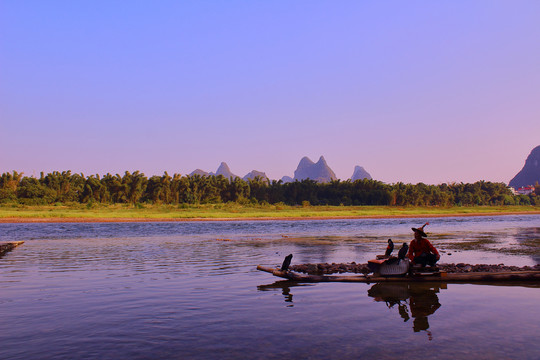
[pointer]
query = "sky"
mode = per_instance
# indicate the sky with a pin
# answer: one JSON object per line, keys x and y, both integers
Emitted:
{"x": 413, "y": 91}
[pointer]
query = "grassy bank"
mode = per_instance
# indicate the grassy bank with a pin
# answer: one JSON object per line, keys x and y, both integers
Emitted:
{"x": 80, "y": 212}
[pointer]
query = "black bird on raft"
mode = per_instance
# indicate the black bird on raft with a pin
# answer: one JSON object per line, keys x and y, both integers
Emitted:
{"x": 286, "y": 263}
{"x": 389, "y": 248}
{"x": 403, "y": 251}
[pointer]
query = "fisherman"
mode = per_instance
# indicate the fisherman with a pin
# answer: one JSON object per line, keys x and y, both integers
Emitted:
{"x": 421, "y": 251}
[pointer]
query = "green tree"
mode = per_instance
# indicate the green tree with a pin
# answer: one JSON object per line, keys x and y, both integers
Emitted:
{"x": 9, "y": 182}
{"x": 134, "y": 186}
{"x": 32, "y": 191}
{"x": 67, "y": 187}
{"x": 95, "y": 190}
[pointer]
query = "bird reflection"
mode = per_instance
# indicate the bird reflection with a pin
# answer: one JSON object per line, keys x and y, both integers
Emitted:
{"x": 285, "y": 287}
{"x": 287, "y": 294}
{"x": 416, "y": 300}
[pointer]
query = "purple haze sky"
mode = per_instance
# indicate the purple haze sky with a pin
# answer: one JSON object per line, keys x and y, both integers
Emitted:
{"x": 413, "y": 91}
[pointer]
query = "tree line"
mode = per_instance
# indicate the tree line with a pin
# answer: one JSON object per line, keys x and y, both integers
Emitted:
{"x": 135, "y": 188}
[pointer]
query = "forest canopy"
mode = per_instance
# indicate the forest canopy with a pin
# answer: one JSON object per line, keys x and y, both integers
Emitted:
{"x": 135, "y": 188}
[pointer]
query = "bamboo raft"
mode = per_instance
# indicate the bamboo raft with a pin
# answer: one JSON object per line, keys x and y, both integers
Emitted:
{"x": 444, "y": 277}
{"x": 8, "y": 246}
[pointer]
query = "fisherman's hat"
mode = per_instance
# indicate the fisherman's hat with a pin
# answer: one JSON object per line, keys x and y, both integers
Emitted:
{"x": 420, "y": 230}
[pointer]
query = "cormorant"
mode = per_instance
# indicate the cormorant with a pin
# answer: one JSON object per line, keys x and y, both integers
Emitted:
{"x": 389, "y": 248}
{"x": 403, "y": 251}
{"x": 286, "y": 263}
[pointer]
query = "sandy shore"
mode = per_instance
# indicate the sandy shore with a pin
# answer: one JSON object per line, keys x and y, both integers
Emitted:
{"x": 292, "y": 218}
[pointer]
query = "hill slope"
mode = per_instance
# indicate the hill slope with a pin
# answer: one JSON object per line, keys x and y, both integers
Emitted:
{"x": 530, "y": 174}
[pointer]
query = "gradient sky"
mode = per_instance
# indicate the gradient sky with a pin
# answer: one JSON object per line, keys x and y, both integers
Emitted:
{"x": 413, "y": 91}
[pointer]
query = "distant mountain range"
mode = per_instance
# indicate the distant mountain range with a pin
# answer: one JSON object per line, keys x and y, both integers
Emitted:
{"x": 224, "y": 170}
{"x": 530, "y": 174}
{"x": 307, "y": 169}
{"x": 322, "y": 173}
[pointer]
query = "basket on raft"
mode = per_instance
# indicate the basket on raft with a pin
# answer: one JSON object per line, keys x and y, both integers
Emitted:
{"x": 389, "y": 267}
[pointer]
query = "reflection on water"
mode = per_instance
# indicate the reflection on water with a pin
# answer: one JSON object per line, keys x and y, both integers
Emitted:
{"x": 416, "y": 300}
{"x": 476, "y": 321}
{"x": 419, "y": 298}
{"x": 285, "y": 287}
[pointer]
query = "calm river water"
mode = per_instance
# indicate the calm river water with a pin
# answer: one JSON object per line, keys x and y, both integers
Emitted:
{"x": 190, "y": 290}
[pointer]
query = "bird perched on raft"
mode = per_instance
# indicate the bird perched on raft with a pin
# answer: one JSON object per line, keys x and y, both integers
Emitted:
{"x": 388, "y": 252}
{"x": 389, "y": 248}
{"x": 286, "y": 263}
{"x": 403, "y": 251}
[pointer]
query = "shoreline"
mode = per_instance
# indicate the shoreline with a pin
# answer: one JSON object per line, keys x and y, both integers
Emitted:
{"x": 17, "y": 220}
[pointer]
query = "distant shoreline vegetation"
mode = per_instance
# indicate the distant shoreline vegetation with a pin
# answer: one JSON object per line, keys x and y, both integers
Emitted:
{"x": 137, "y": 189}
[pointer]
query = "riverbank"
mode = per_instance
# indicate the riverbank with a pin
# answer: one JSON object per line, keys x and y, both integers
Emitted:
{"x": 232, "y": 212}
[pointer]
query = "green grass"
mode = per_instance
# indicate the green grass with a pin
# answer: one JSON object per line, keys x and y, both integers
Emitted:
{"x": 235, "y": 211}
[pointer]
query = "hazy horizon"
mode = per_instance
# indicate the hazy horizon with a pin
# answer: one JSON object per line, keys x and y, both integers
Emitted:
{"x": 432, "y": 92}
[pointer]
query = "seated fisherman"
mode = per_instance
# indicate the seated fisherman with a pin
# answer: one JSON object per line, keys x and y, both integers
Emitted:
{"x": 421, "y": 251}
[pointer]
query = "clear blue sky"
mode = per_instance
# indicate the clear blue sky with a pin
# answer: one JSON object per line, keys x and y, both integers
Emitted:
{"x": 413, "y": 91}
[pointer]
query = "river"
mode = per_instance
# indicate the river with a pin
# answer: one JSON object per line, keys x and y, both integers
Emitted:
{"x": 190, "y": 290}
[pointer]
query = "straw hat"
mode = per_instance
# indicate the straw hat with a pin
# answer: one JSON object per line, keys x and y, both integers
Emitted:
{"x": 420, "y": 230}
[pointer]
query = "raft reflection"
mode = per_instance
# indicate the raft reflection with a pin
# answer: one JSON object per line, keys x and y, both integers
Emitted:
{"x": 418, "y": 299}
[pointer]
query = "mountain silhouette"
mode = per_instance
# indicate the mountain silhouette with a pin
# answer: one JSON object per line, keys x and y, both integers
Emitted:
{"x": 224, "y": 170}
{"x": 253, "y": 174}
{"x": 319, "y": 171}
{"x": 199, "y": 172}
{"x": 286, "y": 179}
{"x": 530, "y": 173}
{"x": 360, "y": 173}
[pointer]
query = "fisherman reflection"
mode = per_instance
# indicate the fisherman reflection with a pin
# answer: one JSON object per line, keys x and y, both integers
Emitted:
{"x": 420, "y": 300}
{"x": 403, "y": 312}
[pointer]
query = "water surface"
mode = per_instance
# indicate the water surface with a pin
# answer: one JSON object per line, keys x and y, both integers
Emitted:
{"x": 191, "y": 291}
